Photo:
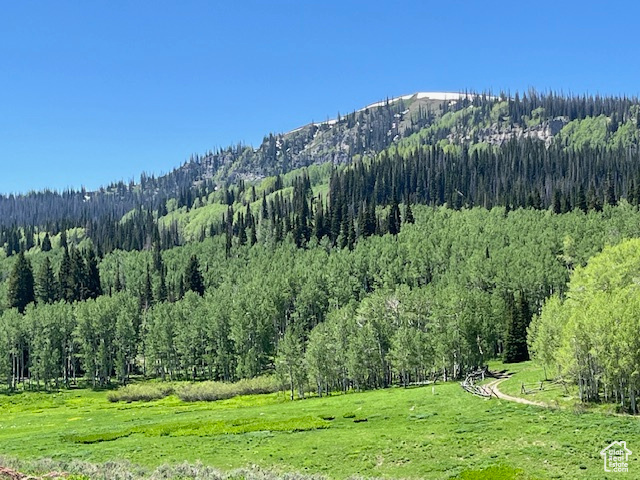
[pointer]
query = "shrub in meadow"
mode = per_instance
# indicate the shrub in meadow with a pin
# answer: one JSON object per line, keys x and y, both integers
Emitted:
{"x": 212, "y": 391}
{"x": 140, "y": 392}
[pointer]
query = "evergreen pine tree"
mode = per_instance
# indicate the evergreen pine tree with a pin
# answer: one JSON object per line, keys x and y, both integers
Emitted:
{"x": 78, "y": 275}
{"x": 279, "y": 231}
{"x": 46, "y": 288}
{"x": 228, "y": 232}
{"x": 93, "y": 289}
{"x": 593, "y": 202}
{"x": 146, "y": 301}
{"x": 631, "y": 193}
{"x": 511, "y": 337}
{"x": 557, "y": 202}
{"x": 335, "y": 209}
{"x": 248, "y": 217}
{"x": 242, "y": 230}
{"x": 298, "y": 236}
{"x": 530, "y": 201}
{"x": 157, "y": 257}
{"x": 46, "y": 243}
{"x": 408, "y": 215}
{"x": 518, "y": 319}
{"x": 29, "y": 241}
{"x": 318, "y": 222}
{"x": 264, "y": 212}
{"x": 611, "y": 193}
{"x": 20, "y": 291}
{"x": 537, "y": 200}
{"x": 581, "y": 201}
{"x": 162, "y": 209}
{"x": 351, "y": 237}
{"x": 65, "y": 278}
{"x": 565, "y": 204}
{"x": 287, "y": 224}
{"x": 393, "y": 221}
{"x": 370, "y": 220}
{"x": 343, "y": 238}
{"x": 361, "y": 219}
{"x": 193, "y": 277}
{"x": 305, "y": 230}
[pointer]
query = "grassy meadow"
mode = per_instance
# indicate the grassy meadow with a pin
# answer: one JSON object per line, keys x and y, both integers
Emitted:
{"x": 429, "y": 432}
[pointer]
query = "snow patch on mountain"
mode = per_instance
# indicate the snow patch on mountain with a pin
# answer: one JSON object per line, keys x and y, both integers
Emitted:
{"x": 442, "y": 96}
{"x": 439, "y": 96}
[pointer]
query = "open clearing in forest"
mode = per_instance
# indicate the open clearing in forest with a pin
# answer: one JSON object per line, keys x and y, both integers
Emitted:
{"x": 396, "y": 432}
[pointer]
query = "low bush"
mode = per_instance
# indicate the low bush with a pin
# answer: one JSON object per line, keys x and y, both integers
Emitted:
{"x": 140, "y": 392}
{"x": 212, "y": 391}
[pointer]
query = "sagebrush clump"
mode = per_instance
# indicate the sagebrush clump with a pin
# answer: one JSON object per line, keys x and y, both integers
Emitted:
{"x": 212, "y": 391}
{"x": 140, "y": 392}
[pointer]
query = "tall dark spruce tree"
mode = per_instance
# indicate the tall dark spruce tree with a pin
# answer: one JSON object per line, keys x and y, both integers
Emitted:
{"x": 46, "y": 286}
{"x": 20, "y": 290}
{"x": 78, "y": 277}
{"x": 518, "y": 319}
{"x": 393, "y": 221}
{"x": 408, "y": 214}
{"x": 65, "y": 278}
{"x": 193, "y": 277}
{"x": 93, "y": 289}
{"x": 46, "y": 243}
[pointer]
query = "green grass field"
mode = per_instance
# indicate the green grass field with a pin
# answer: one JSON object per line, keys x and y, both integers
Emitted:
{"x": 417, "y": 432}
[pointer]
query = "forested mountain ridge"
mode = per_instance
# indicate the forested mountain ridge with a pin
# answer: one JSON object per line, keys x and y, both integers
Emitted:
{"x": 444, "y": 120}
{"x": 365, "y": 132}
{"x": 450, "y": 118}
{"x": 456, "y": 149}
{"x": 432, "y": 254}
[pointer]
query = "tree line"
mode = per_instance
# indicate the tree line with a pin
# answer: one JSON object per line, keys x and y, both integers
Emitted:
{"x": 444, "y": 295}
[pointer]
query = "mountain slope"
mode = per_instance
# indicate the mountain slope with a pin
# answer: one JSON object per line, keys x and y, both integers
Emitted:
{"x": 365, "y": 132}
{"x": 448, "y": 120}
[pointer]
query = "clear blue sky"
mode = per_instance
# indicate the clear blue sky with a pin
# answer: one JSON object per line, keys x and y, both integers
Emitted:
{"x": 92, "y": 92}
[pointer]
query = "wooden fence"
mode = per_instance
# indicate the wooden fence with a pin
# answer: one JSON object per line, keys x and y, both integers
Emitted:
{"x": 529, "y": 388}
{"x": 469, "y": 383}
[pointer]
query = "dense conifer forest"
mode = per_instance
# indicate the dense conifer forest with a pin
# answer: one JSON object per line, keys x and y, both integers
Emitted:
{"x": 404, "y": 242}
